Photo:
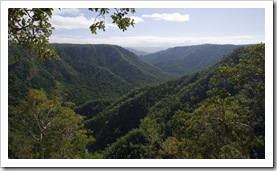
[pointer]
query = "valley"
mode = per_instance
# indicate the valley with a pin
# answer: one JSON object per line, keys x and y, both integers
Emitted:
{"x": 168, "y": 104}
{"x": 85, "y": 72}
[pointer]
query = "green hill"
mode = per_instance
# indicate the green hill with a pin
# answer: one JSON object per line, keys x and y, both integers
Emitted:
{"x": 188, "y": 59}
{"x": 86, "y": 72}
{"x": 215, "y": 113}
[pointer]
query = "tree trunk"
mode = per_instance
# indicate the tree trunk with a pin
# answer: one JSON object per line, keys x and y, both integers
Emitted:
{"x": 245, "y": 146}
{"x": 42, "y": 145}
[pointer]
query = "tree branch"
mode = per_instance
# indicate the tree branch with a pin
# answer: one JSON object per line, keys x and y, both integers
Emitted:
{"x": 33, "y": 135}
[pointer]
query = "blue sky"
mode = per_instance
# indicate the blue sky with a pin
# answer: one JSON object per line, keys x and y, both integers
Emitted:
{"x": 164, "y": 27}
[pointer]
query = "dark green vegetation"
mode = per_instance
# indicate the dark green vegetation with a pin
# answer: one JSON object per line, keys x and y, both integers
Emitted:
{"x": 86, "y": 72}
{"x": 214, "y": 113}
{"x": 188, "y": 59}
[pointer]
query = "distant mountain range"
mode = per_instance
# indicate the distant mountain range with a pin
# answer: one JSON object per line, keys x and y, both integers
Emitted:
{"x": 148, "y": 49}
{"x": 188, "y": 59}
{"x": 137, "y": 52}
{"x": 91, "y": 72}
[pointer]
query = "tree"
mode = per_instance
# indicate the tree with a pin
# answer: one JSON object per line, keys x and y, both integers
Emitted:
{"x": 46, "y": 128}
{"x": 31, "y": 28}
{"x": 240, "y": 113}
{"x": 197, "y": 135}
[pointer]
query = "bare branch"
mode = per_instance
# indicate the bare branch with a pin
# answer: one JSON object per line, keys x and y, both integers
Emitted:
{"x": 33, "y": 135}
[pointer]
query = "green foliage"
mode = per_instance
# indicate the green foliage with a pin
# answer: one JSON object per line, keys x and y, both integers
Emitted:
{"x": 215, "y": 113}
{"x": 92, "y": 108}
{"x": 188, "y": 59}
{"x": 127, "y": 147}
{"x": 203, "y": 115}
{"x": 45, "y": 128}
{"x": 243, "y": 114}
{"x": 118, "y": 17}
{"x": 31, "y": 28}
{"x": 171, "y": 148}
{"x": 117, "y": 119}
{"x": 87, "y": 72}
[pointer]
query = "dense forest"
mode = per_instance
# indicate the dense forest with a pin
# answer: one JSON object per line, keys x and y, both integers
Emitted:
{"x": 99, "y": 72}
{"x": 103, "y": 101}
{"x": 188, "y": 59}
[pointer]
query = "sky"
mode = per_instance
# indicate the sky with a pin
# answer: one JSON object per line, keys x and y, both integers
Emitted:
{"x": 161, "y": 28}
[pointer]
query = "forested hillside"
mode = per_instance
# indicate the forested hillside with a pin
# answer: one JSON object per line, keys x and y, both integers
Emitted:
{"x": 215, "y": 113}
{"x": 103, "y": 101}
{"x": 86, "y": 72}
{"x": 97, "y": 102}
{"x": 188, "y": 59}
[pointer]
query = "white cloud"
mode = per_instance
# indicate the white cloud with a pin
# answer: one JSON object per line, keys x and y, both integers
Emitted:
{"x": 110, "y": 25}
{"x": 174, "y": 17}
{"x": 137, "y": 19}
{"x": 72, "y": 18}
{"x": 69, "y": 23}
{"x": 67, "y": 12}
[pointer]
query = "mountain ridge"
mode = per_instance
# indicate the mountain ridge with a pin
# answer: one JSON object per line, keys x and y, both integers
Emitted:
{"x": 144, "y": 122}
{"x": 181, "y": 60}
{"x": 87, "y": 72}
